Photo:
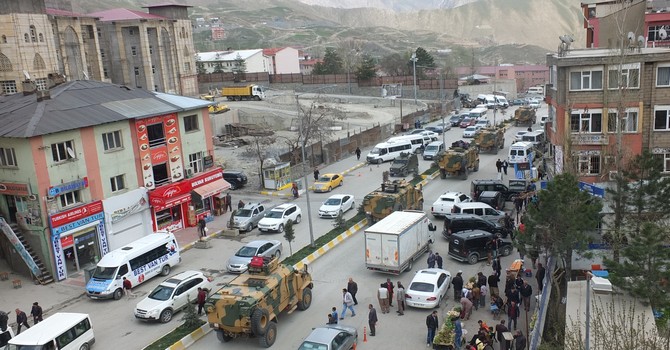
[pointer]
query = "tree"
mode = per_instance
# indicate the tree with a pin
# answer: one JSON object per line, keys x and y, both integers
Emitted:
{"x": 331, "y": 64}
{"x": 366, "y": 70}
{"x": 259, "y": 148}
{"x": 423, "y": 60}
{"x": 239, "y": 65}
{"x": 289, "y": 235}
{"x": 190, "y": 318}
{"x": 395, "y": 65}
{"x": 339, "y": 221}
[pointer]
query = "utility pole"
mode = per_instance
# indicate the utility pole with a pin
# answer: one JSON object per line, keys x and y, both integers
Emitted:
{"x": 414, "y": 71}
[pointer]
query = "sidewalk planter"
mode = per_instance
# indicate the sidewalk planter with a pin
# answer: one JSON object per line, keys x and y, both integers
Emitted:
{"x": 230, "y": 232}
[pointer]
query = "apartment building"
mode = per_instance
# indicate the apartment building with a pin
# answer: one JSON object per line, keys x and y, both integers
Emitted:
{"x": 227, "y": 61}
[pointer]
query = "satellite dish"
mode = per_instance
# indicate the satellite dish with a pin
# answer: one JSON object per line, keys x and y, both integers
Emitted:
{"x": 566, "y": 39}
{"x": 70, "y": 152}
{"x": 663, "y": 34}
{"x": 640, "y": 41}
{"x": 85, "y": 75}
{"x": 26, "y": 74}
{"x": 631, "y": 36}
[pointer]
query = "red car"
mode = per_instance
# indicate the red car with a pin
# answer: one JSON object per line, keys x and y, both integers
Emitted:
{"x": 467, "y": 122}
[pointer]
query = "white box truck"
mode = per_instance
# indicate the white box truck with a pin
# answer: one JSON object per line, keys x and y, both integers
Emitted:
{"x": 395, "y": 242}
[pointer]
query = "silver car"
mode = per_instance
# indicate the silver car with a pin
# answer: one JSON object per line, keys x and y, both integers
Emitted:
{"x": 247, "y": 218}
{"x": 240, "y": 261}
{"x": 335, "y": 337}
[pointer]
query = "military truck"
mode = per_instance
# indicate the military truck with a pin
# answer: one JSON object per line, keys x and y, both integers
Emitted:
{"x": 490, "y": 140}
{"x": 524, "y": 116}
{"x": 462, "y": 157}
{"x": 391, "y": 196}
{"x": 249, "y": 304}
{"x": 404, "y": 164}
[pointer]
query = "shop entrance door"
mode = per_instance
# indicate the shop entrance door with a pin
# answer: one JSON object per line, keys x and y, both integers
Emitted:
{"x": 11, "y": 207}
{"x": 86, "y": 251}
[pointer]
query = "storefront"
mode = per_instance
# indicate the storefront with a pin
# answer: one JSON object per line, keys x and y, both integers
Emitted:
{"x": 182, "y": 204}
{"x": 18, "y": 204}
{"x": 78, "y": 238}
{"x": 127, "y": 217}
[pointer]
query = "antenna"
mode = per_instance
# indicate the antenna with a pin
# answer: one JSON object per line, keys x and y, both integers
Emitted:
{"x": 631, "y": 36}
{"x": 640, "y": 41}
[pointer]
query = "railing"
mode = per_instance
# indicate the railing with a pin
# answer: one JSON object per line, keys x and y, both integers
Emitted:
{"x": 20, "y": 248}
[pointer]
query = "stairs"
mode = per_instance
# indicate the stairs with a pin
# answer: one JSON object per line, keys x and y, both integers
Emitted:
{"x": 45, "y": 276}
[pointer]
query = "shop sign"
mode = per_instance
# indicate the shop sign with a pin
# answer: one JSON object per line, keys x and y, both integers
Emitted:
{"x": 206, "y": 178}
{"x": 162, "y": 195}
{"x": 67, "y": 241}
{"x": 208, "y": 162}
{"x": 159, "y": 155}
{"x": 15, "y": 189}
{"x": 584, "y": 139}
{"x": 67, "y": 187}
{"x": 119, "y": 214}
{"x": 75, "y": 214}
{"x": 59, "y": 257}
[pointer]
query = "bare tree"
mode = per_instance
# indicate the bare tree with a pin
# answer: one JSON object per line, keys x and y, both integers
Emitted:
{"x": 259, "y": 148}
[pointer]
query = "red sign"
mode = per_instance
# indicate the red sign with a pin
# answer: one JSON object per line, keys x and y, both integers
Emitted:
{"x": 66, "y": 241}
{"x": 159, "y": 155}
{"x": 170, "y": 195}
{"x": 206, "y": 178}
{"x": 75, "y": 214}
{"x": 15, "y": 189}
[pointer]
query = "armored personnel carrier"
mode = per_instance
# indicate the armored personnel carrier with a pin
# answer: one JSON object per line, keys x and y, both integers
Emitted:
{"x": 405, "y": 164}
{"x": 524, "y": 116}
{"x": 490, "y": 140}
{"x": 460, "y": 159}
{"x": 391, "y": 196}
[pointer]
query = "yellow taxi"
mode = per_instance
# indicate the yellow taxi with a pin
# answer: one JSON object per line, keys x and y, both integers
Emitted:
{"x": 327, "y": 182}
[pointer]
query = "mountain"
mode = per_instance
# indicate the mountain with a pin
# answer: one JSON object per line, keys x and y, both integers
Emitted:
{"x": 394, "y": 5}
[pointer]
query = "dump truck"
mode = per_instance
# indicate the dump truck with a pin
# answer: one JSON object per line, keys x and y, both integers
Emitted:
{"x": 405, "y": 164}
{"x": 394, "y": 243}
{"x": 524, "y": 116}
{"x": 490, "y": 140}
{"x": 392, "y": 196}
{"x": 462, "y": 157}
{"x": 237, "y": 93}
{"x": 250, "y": 304}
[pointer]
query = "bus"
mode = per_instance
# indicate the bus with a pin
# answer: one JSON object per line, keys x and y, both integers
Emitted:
{"x": 62, "y": 331}
{"x": 138, "y": 261}
{"x": 477, "y": 113}
{"x": 387, "y": 151}
{"x": 415, "y": 139}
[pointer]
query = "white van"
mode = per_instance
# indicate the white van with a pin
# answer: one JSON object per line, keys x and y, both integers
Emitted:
{"x": 520, "y": 152}
{"x": 63, "y": 331}
{"x": 477, "y": 113}
{"x": 535, "y": 90}
{"x": 501, "y": 101}
{"x": 138, "y": 261}
{"x": 480, "y": 209}
{"x": 433, "y": 150}
{"x": 488, "y": 100}
{"x": 415, "y": 139}
{"x": 387, "y": 151}
{"x": 534, "y": 137}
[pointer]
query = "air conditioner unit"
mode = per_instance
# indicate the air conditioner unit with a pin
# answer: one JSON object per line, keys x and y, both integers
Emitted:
{"x": 613, "y": 174}
{"x": 189, "y": 172}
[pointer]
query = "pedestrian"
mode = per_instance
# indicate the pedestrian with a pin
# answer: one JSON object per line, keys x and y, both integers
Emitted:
{"x": 493, "y": 284}
{"x": 539, "y": 276}
{"x": 372, "y": 320}
{"x": 389, "y": 286}
{"x": 294, "y": 190}
{"x": 127, "y": 288}
{"x": 499, "y": 166}
{"x": 358, "y": 153}
{"x": 458, "y": 333}
{"x": 518, "y": 281}
{"x": 202, "y": 226}
{"x": 500, "y": 329}
{"x": 526, "y": 293}
{"x": 316, "y": 174}
{"x": 519, "y": 341}
{"x": 483, "y": 292}
{"x": 383, "y": 298}
{"x": 512, "y": 314}
{"x": 438, "y": 260}
{"x": 432, "y": 324}
{"x": 240, "y": 204}
{"x": 457, "y": 281}
{"x": 332, "y": 316}
{"x": 431, "y": 260}
{"x": 466, "y": 307}
{"x": 202, "y": 297}
{"x": 497, "y": 266}
{"x": 476, "y": 293}
{"x": 504, "y": 166}
{"x": 352, "y": 287}
{"x": 400, "y": 299}
{"x": 21, "y": 320}
{"x": 513, "y": 296}
{"x": 534, "y": 254}
{"x": 347, "y": 303}
{"x": 495, "y": 306}
{"x": 229, "y": 202}
{"x": 36, "y": 313}
{"x": 489, "y": 250}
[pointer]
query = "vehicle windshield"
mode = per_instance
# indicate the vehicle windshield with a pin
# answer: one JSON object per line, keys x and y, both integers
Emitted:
{"x": 29, "y": 347}
{"x": 105, "y": 273}
{"x": 275, "y": 214}
{"x": 470, "y": 128}
{"x": 161, "y": 293}
{"x": 246, "y": 252}
{"x": 421, "y": 287}
{"x": 333, "y": 201}
{"x": 466, "y": 120}
{"x": 243, "y": 212}
{"x": 324, "y": 179}
{"x": 446, "y": 199}
{"x": 375, "y": 151}
{"x": 310, "y": 345}
{"x": 431, "y": 148}
{"x": 400, "y": 161}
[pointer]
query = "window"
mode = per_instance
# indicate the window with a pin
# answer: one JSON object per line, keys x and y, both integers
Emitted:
{"x": 41, "y": 37}
{"x": 133, "y": 50}
{"x": 118, "y": 183}
{"x": 137, "y": 70}
{"x": 4, "y": 39}
{"x": 586, "y": 80}
{"x": 585, "y": 121}
{"x": 151, "y": 49}
{"x": 629, "y": 77}
{"x": 628, "y": 122}
{"x": 7, "y": 157}
{"x": 26, "y": 38}
{"x": 187, "y": 67}
{"x": 662, "y": 118}
{"x": 111, "y": 141}
{"x": 148, "y": 257}
{"x": 588, "y": 163}
{"x": 191, "y": 123}
{"x": 8, "y": 86}
{"x": 102, "y": 53}
{"x": 33, "y": 34}
{"x": 131, "y": 31}
{"x": 663, "y": 75}
{"x": 105, "y": 73}
{"x": 63, "y": 151}
{"x": 664, "y": 156}
{"x": 41, "y": 84}
{"x": 153, "y": 68}
{"x": 156, "y": 134}
{"x": 70, "y": 198}
{"x": 195, "y": 162}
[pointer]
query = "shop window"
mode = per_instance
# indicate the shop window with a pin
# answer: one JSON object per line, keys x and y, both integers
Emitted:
{"x": 63, "y": 151}
{"x": 191, "y": 123}
{"x": 195, "y": 162}
{"x": 69, "y": 199}
{"x": 168, "y": 216}
{"x": 161, "y": 175}
{"x": 118, "y": 183}
{"x": 111, "y": 141}
{"x": 8, "y": 157}
{"x": 156, "y": 134}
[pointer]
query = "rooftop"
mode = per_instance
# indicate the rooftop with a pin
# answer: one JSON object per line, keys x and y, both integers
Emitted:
{"x": 122, "y": 14}
{"x": 226, "y": 55}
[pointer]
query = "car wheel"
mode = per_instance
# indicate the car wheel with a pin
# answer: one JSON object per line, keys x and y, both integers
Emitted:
{"x": 166, "y": 316}
{"x": 353, "y": 205}
{"x": 379, "y": 161}
{"x": 298, "y": 219}
{"x": 330, "y": 188}
{"x": 260, "y": 319}
{"x": 473, "y": 258}
{"x": 165, "y": 270}
{"x": 223, "y": 337}
{"x": 118, "y": 294}
{"x": 277, "y": 254}
{"x": 268, "y": 339}
{"x": 84, "y": 347}
{"x": 306, "y": 301}
{"x": 409, "y": 265}
{"x": 281, "y": 228}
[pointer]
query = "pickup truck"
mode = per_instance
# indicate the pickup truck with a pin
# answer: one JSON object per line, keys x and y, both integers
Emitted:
{"x": 446, "y": 201}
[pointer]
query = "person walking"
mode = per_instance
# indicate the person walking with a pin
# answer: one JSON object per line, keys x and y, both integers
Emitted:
{"x": 316, "y": 174}
{"x": 229, "y": 202}
{"x": 4, "y": 320}
{"x": 499, "y": 166}
{"x": 358, "y": 153}
{"x": 497, "y": 267}
{"x": 400, "y": 299}
{"x": 431, "y": 260}
{"x": 458, "y": 333}
{"x": 127, "y": 288}
{"x": 202, "y": 297}
{"x": 347, "y": 303}
{"x": 500, "y": 329}
{"x": 526, "y": 293}
{"x": 352, "y": 287}
{"x": 383, "y": 298}
{"x": 36, "y": 313}
{"x": 202, "y": 226}
{"x": 240, "y": 204}
{"x": 438, "y": 260}
{"x": 432, "y": 324}
{"x": 539, "y": 276}
{"x": 504, "y": 166}
{"x": 389, "y": 286}
{"x": 476, "y": 293}
{"x": 466, "y": 307}
{"x": 512, "y": 314}
{"x": 457, "y": 281}
{"x": 519, "y": 341}
{"x": 21, "y": 320}
{"x": 372, "y": 320}
{"x": 483, "y": 292}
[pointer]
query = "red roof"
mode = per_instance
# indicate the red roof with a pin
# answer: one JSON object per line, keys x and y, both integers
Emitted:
{"x": 63, "y": 13}
{"x": 165, "y": 4}
{"x": 310, "y": 62}
{"x": 272, "y": 51}
{"x": 123, "y": 14}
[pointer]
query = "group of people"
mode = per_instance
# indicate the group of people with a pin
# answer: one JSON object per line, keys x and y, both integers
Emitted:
{"x": 486, "y": 336}
{"x": 502, "y": 166}
{"x": 36, "y": 313}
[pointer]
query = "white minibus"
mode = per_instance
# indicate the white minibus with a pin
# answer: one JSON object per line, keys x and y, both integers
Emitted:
{"x": 62, "y": 331}
{"x": 519, "y": 152}
{"x": 387, "y": 151}
{"x": 477, "y": 113}
{"x": 534, "y": 137}
{"x": 138, "y": 261}
{"x": 415, "y": 139}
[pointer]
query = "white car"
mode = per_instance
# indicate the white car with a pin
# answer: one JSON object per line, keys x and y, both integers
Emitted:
{"x": 483, "y": 123}
{"x": 428, "y": 288}
{"x": 534, "y": 104}
{"x": 471, "y": 131}
{"x": 335, "y": 205}
{"x": 519, "y": 135}
{"x": 445, "y": 203}
{"x": 276, "y": 219}
{"x": 239, "y": 263}
{"x": 544, "y": 120}
{"x": 172, "y": 295}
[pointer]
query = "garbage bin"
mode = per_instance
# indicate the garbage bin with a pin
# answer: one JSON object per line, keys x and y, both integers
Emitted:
{"x": 88, "y": 273}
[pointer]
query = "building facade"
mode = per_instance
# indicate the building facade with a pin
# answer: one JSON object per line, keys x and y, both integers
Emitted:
{"x": 526, "y": 76}
{"x": 227, "y": 61}
{"x": 283, "y": 60}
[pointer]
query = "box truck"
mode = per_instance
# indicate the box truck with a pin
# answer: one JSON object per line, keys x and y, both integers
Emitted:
{"x": 395, "y": 242}
{"x": 249, "y": 92}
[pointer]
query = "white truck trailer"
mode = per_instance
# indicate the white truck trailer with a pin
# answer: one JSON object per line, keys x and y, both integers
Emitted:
{"x": 394, "y": 243}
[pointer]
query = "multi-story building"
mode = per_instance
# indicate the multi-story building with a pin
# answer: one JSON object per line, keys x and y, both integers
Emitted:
{"x": 526, "y": 76}
{"x": 226, "y": 61}
{"x": 218, "y": 33}
{"x": 89, "y": 166}
{"x": 284, "y": 60}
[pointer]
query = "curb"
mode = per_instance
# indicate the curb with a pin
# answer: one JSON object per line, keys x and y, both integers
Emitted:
{"x": 191, "y": 338}
{"x": 330, "y": 245}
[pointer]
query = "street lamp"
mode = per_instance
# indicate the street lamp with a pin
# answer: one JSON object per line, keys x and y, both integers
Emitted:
{"x": 414, "y": 71}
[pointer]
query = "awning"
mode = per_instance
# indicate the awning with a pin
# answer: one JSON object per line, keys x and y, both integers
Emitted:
{"x": 161, "y": 203}
{"x": 210, "y": 189}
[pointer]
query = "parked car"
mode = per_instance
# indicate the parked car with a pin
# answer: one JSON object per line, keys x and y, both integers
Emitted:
{"x": 478, "y": 208}
{"x": 171, "y": 296}
{"x": 336, "y": 205}
{"x": 471, "y": 246}
{"x": 534, "y": 104}
{"x": 519, "y": 135}
{"x": 445, "y": 203}
{"x": 493, "y": 198}
{"x": 470, "y": 131}
{"x": 236, "y": 178}
{"x": 327, "y": 182}
{"x": 428, "y": 288}
{"x": 543, "y": 120}
{"x": 334, "y": 337}
{"x": 455, "y": 120}
{"x": 458, "y": 223}
{"x": 467, "y": 122}
{"x": 247, "y": 218}
{"x": 483, "y": 123}
{"x": 276, "y": 219}
{"x": 518, "y": 102}
{"x": 440, "y": 128}
{"x": 239, "y": 262}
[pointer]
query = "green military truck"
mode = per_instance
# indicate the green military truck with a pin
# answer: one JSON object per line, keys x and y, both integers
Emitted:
{"x": 249, "y": 304}
{"x": 392, "y": 196}
{"x": 490, "y": 140}
{"x": 405, "y": 164}
{"x": 524, "y": 116}
{"x": 460, "y": 159}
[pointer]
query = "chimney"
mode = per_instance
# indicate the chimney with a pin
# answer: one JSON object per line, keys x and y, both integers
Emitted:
{"x": 43, "y": 95}
{"x": 29, "y": 87}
